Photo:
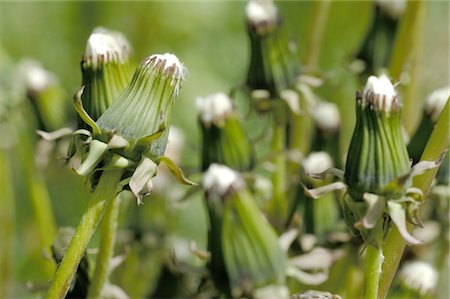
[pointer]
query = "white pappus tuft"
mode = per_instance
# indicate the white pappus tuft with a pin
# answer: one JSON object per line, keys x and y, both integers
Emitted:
{"x": 219, "y": 179}
{"x": 419, "y": 276}
{"x": 436, "y": 102}
{"x": 380, "y": 93}
{"x": 107, "y": 45}
{"x": 214, "y": 109}
{"x": 258, "y": 11}
{"x": 326, "y": 116}
{"x": 317, "y": 162}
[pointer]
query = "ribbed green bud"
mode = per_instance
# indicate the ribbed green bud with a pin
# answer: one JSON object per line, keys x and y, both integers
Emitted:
{"x": 106, "y": 71}
{"x": 145, "y": 106}
{"x": 243, "y": 240}
{"x": 223, "y": 138}
{"x": 377, "y": 154}
{"x": 46, "y": 95}
{"x": 273, "y": 62}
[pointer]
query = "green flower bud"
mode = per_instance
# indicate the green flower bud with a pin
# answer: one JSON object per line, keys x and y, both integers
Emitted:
{"x": 273, "y": 62}
{"x": 106, "y": 71}
{"x": 377, "y": 155}
{"x": 223, "y": 138}
{"x": 240, "y": 237}
{"x": 145, "y": 106}
{"x": 45, "y": 93}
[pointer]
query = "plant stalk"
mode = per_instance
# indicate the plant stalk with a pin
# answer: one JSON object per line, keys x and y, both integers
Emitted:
{"x": 105, "y": 191}
{"x": 394, "y": 244}
{"x": 373, "y": 263}
{"x": 108, "y": 230}
{"x": 320, "y": 13}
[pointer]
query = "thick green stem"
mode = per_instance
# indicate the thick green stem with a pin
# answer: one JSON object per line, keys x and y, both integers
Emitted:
{"x": 319, "y": 17}
{"x": 394, "y": 245}
{"x": 7, "y": 213}
{"x": 108, "y": 229}
{"x": 373, "y": 262}
{"x": 104, "y": 192}
{"x": 279, "y": 204}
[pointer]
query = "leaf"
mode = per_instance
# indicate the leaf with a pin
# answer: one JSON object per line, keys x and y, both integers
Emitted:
{"x": 175, "y": 171}
{"x": 83, "y": 114}
{"x": 398, "y": 216}
{"x": 140, "y": 182}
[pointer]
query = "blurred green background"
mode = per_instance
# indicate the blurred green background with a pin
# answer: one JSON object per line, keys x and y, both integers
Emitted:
{"x": 209, "y": 37}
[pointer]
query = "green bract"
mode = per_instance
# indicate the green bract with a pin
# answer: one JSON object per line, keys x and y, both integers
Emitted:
{"x": 223, "y": 138}
{"x": 131, "y": 134}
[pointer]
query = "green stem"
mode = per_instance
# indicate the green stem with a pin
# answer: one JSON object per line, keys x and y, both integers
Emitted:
{"x": 319, "y": 17}
{"x": 278, "y": 204}
{"x": 394, "y": 245}
{"x": 108, "y": 229}
{"x": 7, "y": 213}
{"x": 105, "y": 191}
{"x": 373, "y": 262}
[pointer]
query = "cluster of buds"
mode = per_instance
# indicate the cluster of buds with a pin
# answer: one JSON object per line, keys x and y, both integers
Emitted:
{"x": 378, "y": 173}
{"x": 223, "y": 138}
{"x": 241, "y": 239}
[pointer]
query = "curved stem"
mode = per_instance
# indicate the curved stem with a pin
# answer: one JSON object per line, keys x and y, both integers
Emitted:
{"x": 394, "y": 244}
{"x": 104, "y": 192}
{"x": 108, "y": 229}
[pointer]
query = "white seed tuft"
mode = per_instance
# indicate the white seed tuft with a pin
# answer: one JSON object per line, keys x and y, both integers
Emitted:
{"x": 107, "y": 45}
{"x": 36, "y": 77}
{"x": 436, "y": 102}
{"x": 326, "y": 116}
{"x": 258, "y": 11}
{"x": 395, "y": 8}
{"x": 219, "y": 179}
{"x": 317, "y": 162}
{"x": 380, "y": 93}
{"x": 214, "y": 109}
{"x": 170, "y": 61}
{"x": 419, "y": 276}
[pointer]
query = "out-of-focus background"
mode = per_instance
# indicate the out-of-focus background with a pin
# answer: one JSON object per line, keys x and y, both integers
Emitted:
{"x": 209, "y": 37}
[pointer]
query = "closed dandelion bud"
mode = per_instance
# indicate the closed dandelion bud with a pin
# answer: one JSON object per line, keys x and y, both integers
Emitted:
{"x": 105, "y": 69}
{"x": 273, "y": 62}
{"x": 46, "y": 95}
{"x": 132, "y": 133}
{"x": 244, "y": 241}
{"x": 223, "y": 138}
{"x": 377, "y": 154}
{"x": 433, "y": 108}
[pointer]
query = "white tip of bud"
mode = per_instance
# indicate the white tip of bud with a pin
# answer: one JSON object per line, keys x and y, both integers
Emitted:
{"x": 317, "y": 162}
{"x": 258, "y": 11}
{"x": 171, "y": 63}
{"x": 394, "y": 8}
{"x": 35, "y": 76}
{"x": 219, "y": 179}
{"x": 436, "y": 102}
{"x": 214, "y": 109}
{"x": 107, "y": 45}
{"x": 419, "y": 276}
{"x": 326, "y": 116}
{"x": 380, "y": 93}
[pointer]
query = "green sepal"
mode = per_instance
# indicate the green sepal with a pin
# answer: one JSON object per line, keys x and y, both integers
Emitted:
{"x": 118, "y": 162}
{"x": 83, "y": 114}
{"x": 140, "y": 182}
{"x": 398, "y": 216}
{"x": 50, "y": 136}
{"x": 147, "y": 140}
{"x": 94, "y": 156}
{"x": 175, "y": 171}
{"x": 375, "y": 210}
{"x": 117, "y": 141}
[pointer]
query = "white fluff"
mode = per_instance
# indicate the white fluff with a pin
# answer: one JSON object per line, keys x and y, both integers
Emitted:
{"x": 419, "y": 276}
{"x": 109, "y": 44}
{"x": 317, "y": 162}
{"x": 214, "y": 109}
{"x": 170, "y": 60}
{"x": 380, "y": 92}
{"x": 258, "y": 11}
{"x": 219, "y": 178}
{"x": 326, "y": 116}
{"x": 36, "y": 77}
{"x": 395, "y": 8}
{"x": 436, "y": 102}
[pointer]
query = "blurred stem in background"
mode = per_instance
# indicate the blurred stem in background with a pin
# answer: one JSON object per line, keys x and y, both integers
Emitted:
{"x": 7, "y": 224}
{"x": 320, "y": 10}
{"x": 408, "y": 49}
{"x": 394, "y": 243}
